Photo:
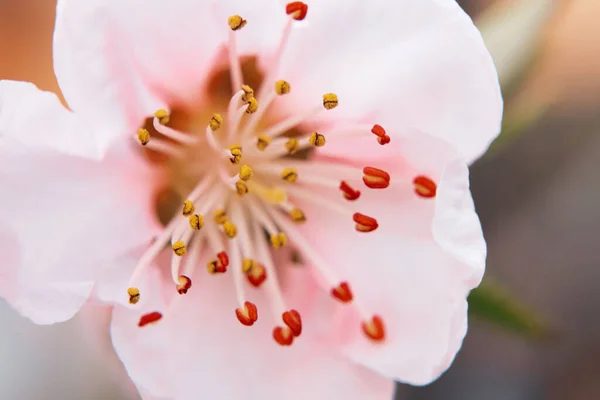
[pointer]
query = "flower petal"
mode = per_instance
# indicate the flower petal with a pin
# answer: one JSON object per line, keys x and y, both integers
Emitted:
{"x": 119, "y": 61}
{"x": 200, "y": 347}
{"x": 68, "y": 218}
{"x": 415, "y": 270}
{"x": 36, "y": 118}
{"x": 425, "y": 67}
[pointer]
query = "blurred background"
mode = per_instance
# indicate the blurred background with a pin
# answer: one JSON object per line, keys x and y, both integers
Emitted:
{"x": 535, "y": 331}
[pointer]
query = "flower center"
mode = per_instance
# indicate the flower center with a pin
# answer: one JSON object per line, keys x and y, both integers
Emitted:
{"x": 246, "y": 181}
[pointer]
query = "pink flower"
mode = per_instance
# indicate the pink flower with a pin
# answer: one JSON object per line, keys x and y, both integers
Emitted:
{"x": 308, "y": 165}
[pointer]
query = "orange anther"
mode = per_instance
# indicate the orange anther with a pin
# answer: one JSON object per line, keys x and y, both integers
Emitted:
{"x": 376, "y": 178}
{"x": 297, "y": 10}
{"x": 283, "y": 335}
{"x": 149, "y": 318}
{"x": 349, "y": 192}
{"x": 365, "y": 223}
{"x": 374, "y": 328}
{"x": 384, "y": 140}
{"x": 293, "y": 321}
{"x": 425, "y": 187}
{"x": 257, "y": 274}
{"x": 342, "y": 292}
{"x": 223, "y": 260}
{"x": 248, "y": 315}
{"x": 184, "y": 284}
{"x": 378, "y": 131}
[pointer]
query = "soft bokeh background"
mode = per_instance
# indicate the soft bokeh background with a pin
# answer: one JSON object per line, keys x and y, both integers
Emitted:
{"x": 537, "y": 192}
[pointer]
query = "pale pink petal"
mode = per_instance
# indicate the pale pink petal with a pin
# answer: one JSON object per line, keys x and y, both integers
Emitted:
{"x": 119, "y": 61}
{"x": 36, "y": 118}
{"x": 200, "y": 349}
{"x": 68, "y": 219}
{"x": 425, "y": 66}
{"x": 415, "y": 270}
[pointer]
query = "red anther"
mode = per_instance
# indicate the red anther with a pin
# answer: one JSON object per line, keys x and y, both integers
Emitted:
{"x": 184, "y": 284}
{"x": 223, "y": 259}
{"x": 378, "y": 131}
{"x": 248, "y": 315}
{"x": 297, "y": 10}
{"x": 283, "y": 335}
{"x": 149, "y": 318}
{"x": 342, "y": 292}
{"x": 293, "y": 321}
{"x": 365, "y": 223}
{"x": 257, "y": 275}
{"x": 376, "y": 178}
{"x": 425, "y": 187}
{"x": 384, "y": 140}
{"x": 349, "y": 192}
{"x": 374, "y": 328}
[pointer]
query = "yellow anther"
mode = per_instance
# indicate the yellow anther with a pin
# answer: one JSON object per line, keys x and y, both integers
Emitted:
{"x": 230, "y": 229}
{"x": 289, "y": 175}
{"x": 247, "y": 265}
{"x": 188, "y": 208}
{"x": 236, "y": 153}
{"x": 241, "y": 188}
{"x": 292, "y": 145}
{"x": 330, "y": 100}
{"x": 252, "y": 106}
{"x": 297, "y": 215}
{"x": 179, "y": 248}
{"x": 246, "y": 173}
{"x": 143, "y": 136}
{"x": 262, "y": 142}
{"x": 134, "y": 295}
{"x": 248, "y": 93}
{"x": 215, "y": 122}
{"x": 270, "y": 195}
{"x": 279, "y": 240}
{"x": 220, "y": 216}
{"x": 316, "y": 139}
{"x": 236, "y": 22}
{"x": 211, "y": 266}
{"x": 163, "y": 116}
{"x": 196, "y": 221}
{"x": 282, "y": 87}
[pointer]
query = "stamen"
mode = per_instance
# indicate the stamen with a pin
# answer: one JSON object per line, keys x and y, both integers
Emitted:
{"x": 236, "y": 22}
{"x": 262, "y": 142}
{"x": 179, "y": 248}
{"x": 245, "y": 173}
{"x": 297, "y": 10}
{"x": 376, "y": 178}
{"x": 425, "y": 187}
{"x": 270, "y": 195}
{"x": 196, "y": 221}
{"x": 342, "y": 292}
{"x": 382, "y": 136}
{"x": 278, "y": 240}
{"x": 297, "y": 215}
{"x": 374, "y": 328}
{"x": 350, "y": 193}
{"x": 316, "y": 139}
{"x": 134, "y": 295}
{"x": 188, "y": 208}
{"x": 257, "y": 274}
{"x": 248, "y": 315}
{"x": 143, "y": 136}
{"x": 241, "y": 188}
{"x": 247, "y": 264}
{"x": 149, "y": 318}
{"x": 236, "y": 153}
{"x": 230, "y": 229}
{"x": 282, "y": 87}
{"x": 220, "y": 216}
{"x": 184, "y": 284}
{"x": 218, "y": 265}
{"x": 223, "y": 259}
{"x": 289, "y": 175}
{"x": 293, "y": 321}
{"x": 292, "y": 145}
{"x": 173, "y": 133}
{"x": 215, "y": 122}
{"x": 330, "y": 101}
{"x": 163, "y": 116}
{"x": 252, "y": 106}
{"x": 283, "y": 335}
{"x": 248, "y": 93}
{"x": 365, "y": 223}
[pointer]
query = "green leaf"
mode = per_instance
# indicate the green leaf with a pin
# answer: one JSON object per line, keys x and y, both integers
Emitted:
{"x": 494, "y": 304}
